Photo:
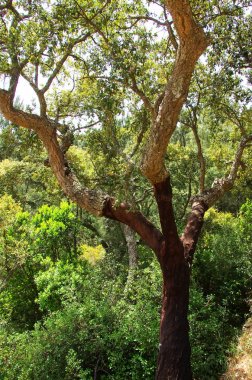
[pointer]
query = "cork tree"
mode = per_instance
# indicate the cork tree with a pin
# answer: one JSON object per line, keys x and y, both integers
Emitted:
{"x": 96, "y": 65}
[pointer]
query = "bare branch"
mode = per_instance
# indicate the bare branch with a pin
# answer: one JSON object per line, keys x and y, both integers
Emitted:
{"x": 148, "y": 18}
{"x": 38, "y": 92}
{"x": 86, "y": 126}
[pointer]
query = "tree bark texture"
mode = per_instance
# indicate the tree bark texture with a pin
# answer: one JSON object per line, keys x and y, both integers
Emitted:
{"x": 174, "y": 347}
{"x": 192, "y": 43}
{"x": 130, "y": 239}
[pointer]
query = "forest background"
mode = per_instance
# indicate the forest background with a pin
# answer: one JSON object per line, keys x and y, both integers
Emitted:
{"x": 80, "y": 296}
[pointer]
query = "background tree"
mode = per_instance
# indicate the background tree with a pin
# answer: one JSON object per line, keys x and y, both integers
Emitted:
{"x": 99, "y": 55}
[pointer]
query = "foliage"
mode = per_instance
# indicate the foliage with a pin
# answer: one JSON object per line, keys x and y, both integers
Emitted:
{"x": 23, "y": 174}
{"x": 224, "y": 246}
{"x": 27, "y": 244}
{"x": 93, "y": 324}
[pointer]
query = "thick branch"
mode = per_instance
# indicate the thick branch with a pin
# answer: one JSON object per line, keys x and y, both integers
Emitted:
{"x": 93, "y": 201}
{"x": 192, "y": 43}
{"x": 193, "y": 228}
{"x": 148, "y": 232}
{"x": 18, "y": 117}
{"x": 163, "y": 195}
{"x": 206, "y": 199}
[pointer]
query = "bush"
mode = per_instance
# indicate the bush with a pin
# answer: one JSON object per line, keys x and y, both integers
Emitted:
{"x": 94, "y": 324}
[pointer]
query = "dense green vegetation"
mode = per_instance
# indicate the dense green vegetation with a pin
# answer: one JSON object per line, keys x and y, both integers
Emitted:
{"x": 64, "y": 317}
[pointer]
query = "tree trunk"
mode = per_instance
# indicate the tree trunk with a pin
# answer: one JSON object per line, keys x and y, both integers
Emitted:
{"x": 130, "y": 238}
{"x": 174, "y": 349}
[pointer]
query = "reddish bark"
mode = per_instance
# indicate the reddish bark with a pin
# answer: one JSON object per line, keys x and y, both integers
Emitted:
{"x": 163, "y": 195}
{"x": 193, "y": 229}
{"x": 174, "y": 352}
{"x": 148, "y": 232}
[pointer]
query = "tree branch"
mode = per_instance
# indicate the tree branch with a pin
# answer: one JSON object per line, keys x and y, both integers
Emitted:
{"x": 203, "y": 201}
{"x": 134, "y": 219}
{"x": 170, "y": 31}
{"x": 193, "y": 228}
{"x": 222, "y": 185}
{"x": 94, "y": 201}
{"x": 163, "y": 195}
{"x": 61, "y": 62}
{"x": 141, "y": 94}
{"x": 192, "y": 43}
{"x": 148, "y": 18}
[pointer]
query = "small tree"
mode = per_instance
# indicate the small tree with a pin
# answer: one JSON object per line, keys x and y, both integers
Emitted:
{"x": 91, "y": 58}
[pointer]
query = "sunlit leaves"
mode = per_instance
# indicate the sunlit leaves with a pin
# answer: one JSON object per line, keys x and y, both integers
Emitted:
{"x": 92, "y": 254}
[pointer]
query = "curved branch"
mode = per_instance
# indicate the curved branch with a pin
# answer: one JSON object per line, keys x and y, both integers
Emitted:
{"x": 193, "y": 228}
{"x": 192, "y": 43}
{"x": 61, "y": 62}
{"x": 94, "y": 201}
{"x": 19, "y": 117}
{"x": 206, "y": 199}
{"x": 141, "y": 94}
{"x": 135, "y": 219}
{"x": 222, "y": 185}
